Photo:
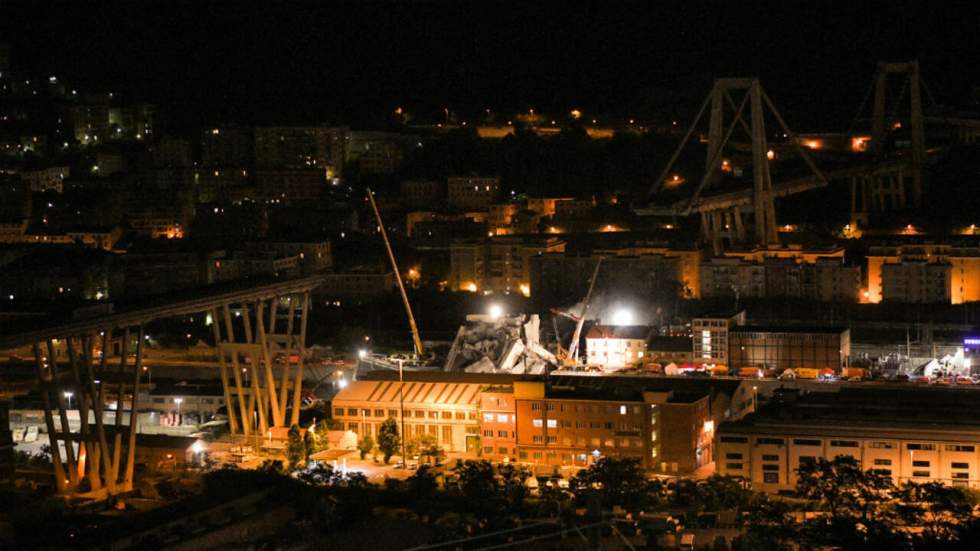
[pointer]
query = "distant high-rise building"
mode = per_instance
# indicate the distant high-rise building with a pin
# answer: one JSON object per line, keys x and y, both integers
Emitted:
{"x": 228, "y": 146}
{"x": 301, "y": 147}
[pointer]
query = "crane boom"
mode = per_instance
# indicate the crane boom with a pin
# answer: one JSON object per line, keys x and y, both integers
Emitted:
{"x": 398, "y": 276}
{"x": 573, "y": 346}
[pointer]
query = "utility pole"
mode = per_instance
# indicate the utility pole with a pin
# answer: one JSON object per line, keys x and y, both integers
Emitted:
{"x": 401, "y": 405}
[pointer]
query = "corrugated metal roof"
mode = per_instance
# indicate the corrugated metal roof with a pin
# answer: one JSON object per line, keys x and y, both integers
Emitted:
{"x": 415, "y": 393}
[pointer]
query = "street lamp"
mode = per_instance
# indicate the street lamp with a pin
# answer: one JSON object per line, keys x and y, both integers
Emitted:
{"x": 401, "y": 406}
{"x": 69, "y": 395}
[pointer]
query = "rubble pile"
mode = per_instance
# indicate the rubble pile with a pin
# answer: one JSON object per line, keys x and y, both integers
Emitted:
{"x": 506, "y": 344}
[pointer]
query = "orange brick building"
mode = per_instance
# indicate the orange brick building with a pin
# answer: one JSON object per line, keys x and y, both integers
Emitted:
{"x": 565, "y": 421}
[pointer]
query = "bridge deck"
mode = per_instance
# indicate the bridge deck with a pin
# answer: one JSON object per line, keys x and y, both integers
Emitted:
{"x": 191, "y": 302}
{"x": 743, "y": 197}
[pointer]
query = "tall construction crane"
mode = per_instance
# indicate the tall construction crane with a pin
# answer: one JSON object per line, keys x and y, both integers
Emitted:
{"x": 571, "y": 356}
{"x": 398, "y": 277}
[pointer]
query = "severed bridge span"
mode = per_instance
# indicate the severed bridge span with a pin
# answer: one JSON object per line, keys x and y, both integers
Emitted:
{"x": 250, "y": 326}
{"x": 882, "y": 178}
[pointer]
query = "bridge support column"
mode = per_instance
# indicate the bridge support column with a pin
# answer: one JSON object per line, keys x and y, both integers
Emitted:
{"x": 46, "y": 376}
{"x": 263, "y": 402}
{"x": 301, "y": 351}
{"x": 223, "y": 370}
{"x": 739, "y": 224}
{"x": 94, "y": 459}
{"x": 716, "y": 232}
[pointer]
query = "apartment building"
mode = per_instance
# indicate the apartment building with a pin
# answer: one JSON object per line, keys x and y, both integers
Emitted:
{"x": 558, "y": 278}
{"x": 781, "y": 272}
{"x": 472, "y": 192}
{"x": 356, "y": 283}
{"x": 501, "y": 215}
{"x": 920, "y": 435}
{"x": 545, "y": 206}
{"x": 924, "y": 273}
{"x": 301, "y": 147}
{"x": 499, "y": 423}
{"x": 227, "y": 146}
{"x": 612, "y": 347}
{"x": 291, "y": 186}
{"x": 916, "y": 281}
{"x": 498, "y": 264}
{"x": 421, "y": 193}
{"x": 710, "y": 333}
{"x": 573, "y": 423}
{"x": 50, "y": 178}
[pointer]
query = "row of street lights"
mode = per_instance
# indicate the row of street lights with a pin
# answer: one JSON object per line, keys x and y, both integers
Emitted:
{"x": 69, "y": 395}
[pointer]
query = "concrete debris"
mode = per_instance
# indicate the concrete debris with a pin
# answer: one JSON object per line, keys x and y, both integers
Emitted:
{"x": 507, "y": 344}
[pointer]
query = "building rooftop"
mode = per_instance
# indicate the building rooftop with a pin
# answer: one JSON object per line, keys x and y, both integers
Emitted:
{"x": 619, "y": 332}
{"x": 881, "y": 410}
{"x": 719, "y": 314}
{"x": 585, "y": 387}
{"x": 413, "y": 392}
{"x": 789, "y": 329}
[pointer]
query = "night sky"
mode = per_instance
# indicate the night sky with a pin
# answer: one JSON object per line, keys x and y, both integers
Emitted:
{"x": 354, "y": 62}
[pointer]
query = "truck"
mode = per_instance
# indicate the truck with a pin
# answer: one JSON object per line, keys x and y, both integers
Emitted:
{"x": 750, "y": 373}
{"x": 851, "y": 372}
{"x": 807, "y": 373}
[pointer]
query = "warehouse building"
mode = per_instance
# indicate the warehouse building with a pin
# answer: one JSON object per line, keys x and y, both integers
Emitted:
{"x": 920, "y": 435}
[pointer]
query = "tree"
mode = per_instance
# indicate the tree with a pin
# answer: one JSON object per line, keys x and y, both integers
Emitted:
{"x": 476, "y": 478}
{"x": 388, "y": 440}
{"x": 514, "y": 478}
{"x": 308, "y": 444}
{"x": 857, "y": 501}
{"x": 428, "y": 445}
{"x": 721, "y": 492}
{"x": 422, "y": 483}
{"x": 769, "y": 527}
{"x": 295, "y": 448}
{"x": 320, "y": 435}
{"x": 842, "y": 487}
{"x": 365, "y": 445}
{"x": 937, "y": 508}
{"x": 619, "y": 481}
